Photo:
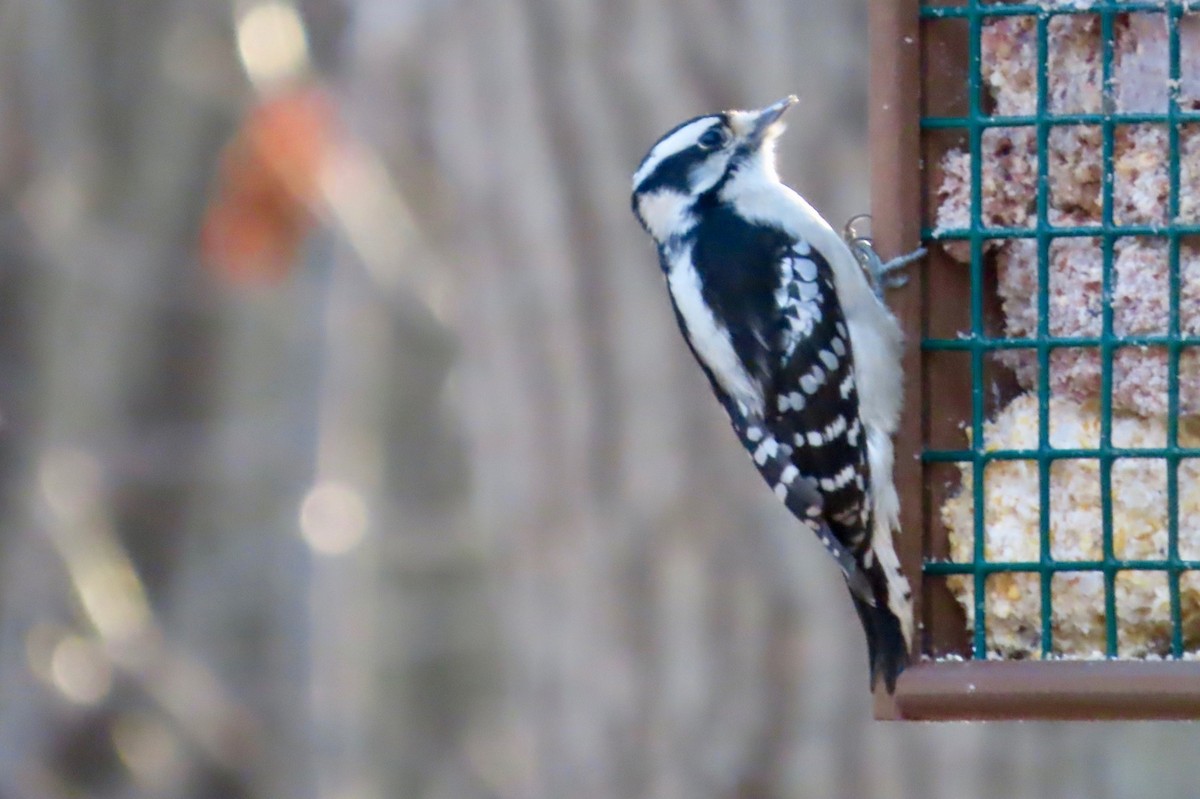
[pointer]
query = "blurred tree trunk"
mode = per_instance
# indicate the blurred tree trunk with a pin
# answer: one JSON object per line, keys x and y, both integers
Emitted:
{"x": 143, "y": 448}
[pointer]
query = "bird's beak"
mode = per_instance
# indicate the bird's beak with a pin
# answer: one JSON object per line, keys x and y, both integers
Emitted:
{"x": 764, "y": 119}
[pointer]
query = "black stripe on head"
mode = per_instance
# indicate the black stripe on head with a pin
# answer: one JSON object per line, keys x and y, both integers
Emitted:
{"x": 671, "y": 172}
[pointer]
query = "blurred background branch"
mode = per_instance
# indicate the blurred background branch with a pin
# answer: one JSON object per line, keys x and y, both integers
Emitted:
{"x": 349, "y": 449}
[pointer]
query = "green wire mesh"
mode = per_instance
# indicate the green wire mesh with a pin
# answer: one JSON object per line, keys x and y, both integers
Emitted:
{"x": 978, "y": 344}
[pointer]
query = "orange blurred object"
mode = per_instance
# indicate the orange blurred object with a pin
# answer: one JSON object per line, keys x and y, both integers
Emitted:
{"x": 267, "y": 187}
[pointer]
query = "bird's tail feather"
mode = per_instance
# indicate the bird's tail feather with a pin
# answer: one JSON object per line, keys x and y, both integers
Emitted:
{"x": 886, "y": 645}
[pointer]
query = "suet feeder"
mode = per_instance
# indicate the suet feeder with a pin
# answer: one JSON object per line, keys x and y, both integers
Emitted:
{"x": 1048, "y": 155}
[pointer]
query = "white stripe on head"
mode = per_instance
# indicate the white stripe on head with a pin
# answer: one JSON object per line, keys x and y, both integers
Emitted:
{"x": 681, "y": 139}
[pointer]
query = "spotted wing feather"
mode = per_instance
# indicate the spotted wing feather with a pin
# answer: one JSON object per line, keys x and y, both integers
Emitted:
{"x": 816, "y": 396}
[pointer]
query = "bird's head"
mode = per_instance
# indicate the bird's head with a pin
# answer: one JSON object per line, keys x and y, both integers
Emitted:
{"x": 700, "y": 159}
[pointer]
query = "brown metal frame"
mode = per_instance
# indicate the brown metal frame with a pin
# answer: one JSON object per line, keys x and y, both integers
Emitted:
{"x": 945, "y": 689}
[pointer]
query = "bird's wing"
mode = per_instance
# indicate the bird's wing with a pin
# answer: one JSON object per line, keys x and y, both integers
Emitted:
{"x": 816, "y": 407}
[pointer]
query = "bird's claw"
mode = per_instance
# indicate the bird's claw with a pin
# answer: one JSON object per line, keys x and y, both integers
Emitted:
{"x": 887, "y": 274}
{"x": 883, "y": 274}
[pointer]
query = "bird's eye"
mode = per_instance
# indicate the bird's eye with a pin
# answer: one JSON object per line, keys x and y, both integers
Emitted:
{"x": 713, "y": 138}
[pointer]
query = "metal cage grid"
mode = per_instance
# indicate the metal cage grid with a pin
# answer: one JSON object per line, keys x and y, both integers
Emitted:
{"x": 976, "y": 344}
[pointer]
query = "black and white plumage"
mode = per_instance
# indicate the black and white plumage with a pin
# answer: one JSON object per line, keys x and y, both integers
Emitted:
{"x": 799, "y": 349}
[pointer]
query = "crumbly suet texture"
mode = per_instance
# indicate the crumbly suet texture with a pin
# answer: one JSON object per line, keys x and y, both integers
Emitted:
{"x": 1140, "y": 307}
{"x": 1139, "y": 527}
{"x": 1140, "y": 195}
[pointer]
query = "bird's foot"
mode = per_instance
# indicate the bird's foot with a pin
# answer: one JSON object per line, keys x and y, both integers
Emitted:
{"x": 883, "y": 274}
{"x": 886, "y": 272}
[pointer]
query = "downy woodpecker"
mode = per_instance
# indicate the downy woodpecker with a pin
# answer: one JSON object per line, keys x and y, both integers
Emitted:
{"x": 798, "y": 347}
